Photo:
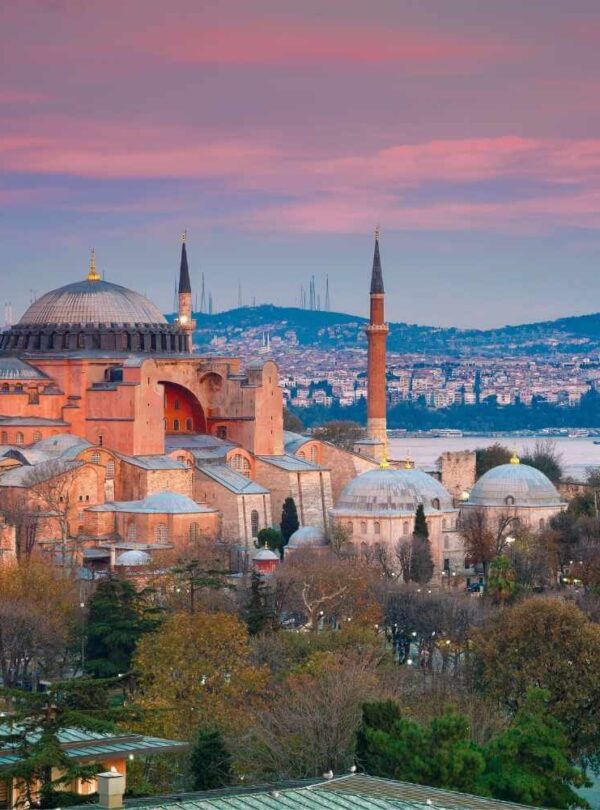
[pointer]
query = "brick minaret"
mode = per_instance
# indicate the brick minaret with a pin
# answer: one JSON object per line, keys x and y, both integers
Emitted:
{"x": 186, "y": 322}
{"x": 377, "y": 335}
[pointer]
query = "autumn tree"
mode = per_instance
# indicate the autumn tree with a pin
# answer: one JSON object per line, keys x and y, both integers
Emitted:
{"x": 545, "y": 457}
{"x": 195, "y": 672}
{"x": 488, "y": 457}
{"x": 342, "y": 433}
{"x": 484, "y": 538}
{"x": 549, "y": 644}
{"x": 38, "y": 609}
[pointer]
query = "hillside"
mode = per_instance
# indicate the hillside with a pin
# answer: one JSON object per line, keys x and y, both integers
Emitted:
{"x": 340, "y": 330}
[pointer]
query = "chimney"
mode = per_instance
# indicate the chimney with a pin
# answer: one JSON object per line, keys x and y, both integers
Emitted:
{"x": 111, "y": 787}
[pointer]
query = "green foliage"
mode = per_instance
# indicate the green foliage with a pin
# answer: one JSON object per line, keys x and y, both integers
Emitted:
{"x": 502, "y": 581}
{"x": 545, "y": 458}
{"x": 118, "y": 617}
{"x": 292, "y": 422}
{"x": 421, "y": 529}
{"x": 289, "y": 520}
{"x": 270, "y": 538}
{"x": 343, "y": 433}
{"x": 210, "y": 761}
{"x": 488, "y": 457}
{"x": 258, "y": 614}
{"x": 421, "y": 561}
{"x": 529, "y": 762}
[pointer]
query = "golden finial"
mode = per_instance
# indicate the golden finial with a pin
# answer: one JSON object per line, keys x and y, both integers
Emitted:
{"x": 377, "y": 233}
{"x": 93, "y": 274}
{"x": 184, "y": 237}
{"x": 384, "y": 464}
{"x": 408, "y": 465}
{"x": 514, "y": 459}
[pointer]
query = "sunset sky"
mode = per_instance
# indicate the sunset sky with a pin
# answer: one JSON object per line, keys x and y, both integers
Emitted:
{"x": 280, "y": 132}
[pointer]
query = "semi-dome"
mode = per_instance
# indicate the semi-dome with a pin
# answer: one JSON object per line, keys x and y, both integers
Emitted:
{"x": 514, "y": 484}
{"x": 393, "y": 491}
{"x": 92, "y": 302}
{"x": 307, "y": 536}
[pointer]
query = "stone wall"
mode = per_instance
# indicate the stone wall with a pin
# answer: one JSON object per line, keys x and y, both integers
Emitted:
{"x": 458, "y": 472}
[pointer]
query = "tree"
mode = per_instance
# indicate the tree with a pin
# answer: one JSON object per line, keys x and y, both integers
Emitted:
{"x": 529, "y": 762}
{"x": 549, "y": 644}
{"x": 501, "y": 583}
{"x": 292, "y": 422}
{"x": 289, "y": 520}
{"x": 210, "y": 761}
{"x": 118, "y": 617}
{"x": 488, "y": 457}
{"x": 195, "y": 671}
{"x": 258, "y": 614}
{"x": 37, "y": 615}
{"x": 342, "y": 433}
{"x": 484, "y": 539}
{"x": 421, "y": 563}
{"x": 546, "y": 458}
{"x": 270, "y": 538}
{"x": 33, "y": 732}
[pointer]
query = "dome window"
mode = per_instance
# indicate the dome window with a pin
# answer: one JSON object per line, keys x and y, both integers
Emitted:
{"x": 509, "y": 500}
{"x": 254, "y": 522}
{"x": 435, "y": 503}
{"x": 161, "y": 533}
{"x": 95, "y": 458}
{"x": 20, "y": 439}
{"x": 377, "y": 527}
{"x": 4, "y": 437}
{"x": 363, "y": 527}
{"x": 37, "y": 436}
{"x": 110, "y": 470}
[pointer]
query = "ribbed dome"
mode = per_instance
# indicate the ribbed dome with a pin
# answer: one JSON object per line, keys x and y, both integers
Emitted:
{"x": 92, "y": 302}
{"x": 133, "y": 558}
{"x": 514, "y": 485}
{"x": 393, "y": 491}
{"x": 307, "y": 536}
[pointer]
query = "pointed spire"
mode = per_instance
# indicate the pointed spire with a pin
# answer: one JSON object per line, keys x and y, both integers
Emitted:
{"x": 376, "y": 275}
{"x": 93, "y": 273}
{"x": 184, "y": 273}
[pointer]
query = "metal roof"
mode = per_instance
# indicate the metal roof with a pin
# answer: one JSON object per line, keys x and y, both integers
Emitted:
{"x": 44, "y": 471}
{"x": 290, "y": 463}
{"x": 294, "y": 441}
{"x": 232, "y": 480}
{"x": 160, "y": 503}
{"x": 525, "y": 485}
{"x": 153, "y": 462}
{"x": 389, "y": 491}
{"x": 32, "y": 420}
{"x": 12, "y": 368}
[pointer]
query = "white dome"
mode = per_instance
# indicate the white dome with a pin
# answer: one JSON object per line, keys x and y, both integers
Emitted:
{"x": 133, "y": 558}
{"x": 265, "y": 553}
{"x": 389, "y": 491}
{"x": 514, "y": 485}
{"x": 307, "y": 536}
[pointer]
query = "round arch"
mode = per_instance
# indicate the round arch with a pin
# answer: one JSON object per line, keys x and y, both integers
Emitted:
{"x": 183, "y": 412}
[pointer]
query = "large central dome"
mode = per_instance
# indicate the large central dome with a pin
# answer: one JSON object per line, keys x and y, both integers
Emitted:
{"x": 92, "y": 302}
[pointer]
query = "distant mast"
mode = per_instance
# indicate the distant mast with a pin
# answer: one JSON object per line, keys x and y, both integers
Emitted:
{"x": 377, "y": 331}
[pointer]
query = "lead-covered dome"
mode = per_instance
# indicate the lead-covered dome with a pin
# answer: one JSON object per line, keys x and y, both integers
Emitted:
{"x": 516, "y": 485}
{"x": 92, "y": 302}
{"x": 392, "y": 491}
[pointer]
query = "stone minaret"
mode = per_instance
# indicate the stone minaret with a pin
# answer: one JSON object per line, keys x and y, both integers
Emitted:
{"x": 377, "y": 336}
{"x": 186, "y": 322}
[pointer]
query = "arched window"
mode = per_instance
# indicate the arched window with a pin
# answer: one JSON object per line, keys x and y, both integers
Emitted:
{"x": 110, "y": 470}
{"x": 221, "y": 432}
{"x": 132, "y": 532}
{"x": 444, "y": 524}
{"x": 435, "y": 503}
{"x": 19, "y": 388}
{"x": 350, "y": 528}
{"x": 302, "y": 454}
{"x": 19, "y": 439}
{"x": 377, "y": 527}
{"x": 175, "y": 424}
{"x": 189, "y": 425}
{"x": 34, "y": 397}
{"x": 5, "y": 388}
{"x": 509, "y": 500}
{"x": 81, "y": 340}
{"x": 542, "y": 524}
{"x": 100, "y": 440}
{"x": 314, "y": 454}
{"x": 446, "y": 542}
{"x": 4, "y": 437}
{"x": 161, "y": 533}
{"x": 405, "y": 528}
{"x": 363, "y": 527}
{"x": 254, "y": 522}
{"x": 194, "y": 532}
{"x": 240, "y": 464}
{"x": 176, "y": 404}
{"x": 181, "y": 459}
{"x": 37, "y": 436}
{"x": 95, "y": 457}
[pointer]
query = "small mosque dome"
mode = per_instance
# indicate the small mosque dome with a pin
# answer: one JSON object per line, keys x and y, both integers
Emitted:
{"x": 516, "y": 485}
{"x": 392, "y": 491}
{"x": 133, "y": 558}
{"x": 264, "y": 554}
{"x": 307, "y": 536}
{"x": 92, "y": 302}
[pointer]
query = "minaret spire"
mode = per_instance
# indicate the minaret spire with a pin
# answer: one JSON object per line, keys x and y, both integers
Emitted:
{"x": 184, "y": 273}
{"x": 186, "y": 323}
{"x": 377, "y": 337}
{"x": 93, "y": 274}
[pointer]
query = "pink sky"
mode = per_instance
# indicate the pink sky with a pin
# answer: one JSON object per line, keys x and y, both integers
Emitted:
{"x": 303, "y": 124}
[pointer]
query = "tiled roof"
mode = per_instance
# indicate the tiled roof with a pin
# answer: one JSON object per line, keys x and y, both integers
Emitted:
{"x": 12, "y": 368}
{"x": 44, "y": 471}
{"x": 232, "y": 480}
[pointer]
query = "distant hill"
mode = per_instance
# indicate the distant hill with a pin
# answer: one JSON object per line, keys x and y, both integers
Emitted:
{"x": 341, "y": 330}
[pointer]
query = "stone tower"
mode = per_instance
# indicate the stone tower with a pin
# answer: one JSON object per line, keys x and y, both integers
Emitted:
{"x": 186, "y": 322}
{"x": 377, "y": 337}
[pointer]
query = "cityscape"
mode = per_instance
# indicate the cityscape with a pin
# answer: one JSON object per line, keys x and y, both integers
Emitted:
{"x": 300, "y": 405}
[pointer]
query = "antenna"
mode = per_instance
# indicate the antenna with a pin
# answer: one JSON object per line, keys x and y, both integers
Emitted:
{"x": 203, "y": 297}
{"x": 327, "y": 298}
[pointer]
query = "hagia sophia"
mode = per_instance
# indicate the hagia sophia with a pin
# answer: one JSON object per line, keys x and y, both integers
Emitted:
{"x": 115, "y": 434}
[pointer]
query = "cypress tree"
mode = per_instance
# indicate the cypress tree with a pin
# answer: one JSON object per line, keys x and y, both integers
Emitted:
{"x": 421, "y": 563}
{"x": 289, "y": 520}
{"x": 257, "y": 612}
{"x": 210, "y": 761}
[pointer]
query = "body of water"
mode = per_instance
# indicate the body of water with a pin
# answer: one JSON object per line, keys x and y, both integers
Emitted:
{"x": 577, "y": 454}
